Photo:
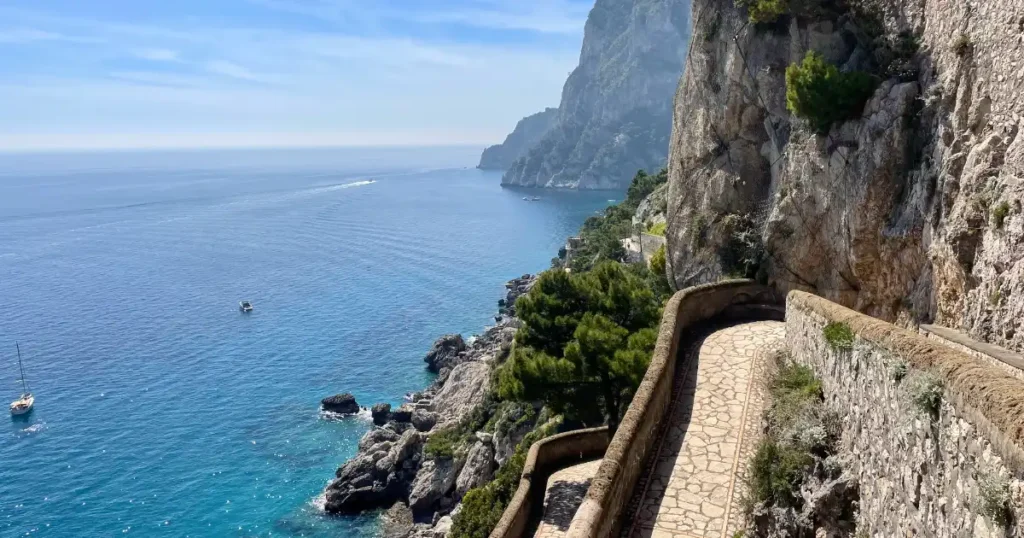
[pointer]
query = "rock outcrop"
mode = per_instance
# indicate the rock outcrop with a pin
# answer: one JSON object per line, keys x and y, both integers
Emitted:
{"x": 527, "y": 133}
{"x": 344, "y": 404}
{"x": 380, "y": 413}
{"x": 391, "y": 465}
{"x": 910, "y": 212}
{"x": 614, "y": 114}
{"x": 444, "y": 352}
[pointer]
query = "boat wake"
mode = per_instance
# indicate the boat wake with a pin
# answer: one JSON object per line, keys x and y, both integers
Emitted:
{"x": 345, "y": 185}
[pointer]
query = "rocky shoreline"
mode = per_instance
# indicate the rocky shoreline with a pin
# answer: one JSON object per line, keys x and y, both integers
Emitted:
{"x": 397, "y": 467}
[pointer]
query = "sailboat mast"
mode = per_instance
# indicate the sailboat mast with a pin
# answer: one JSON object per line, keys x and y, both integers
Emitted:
{"x": 21, "y": 366}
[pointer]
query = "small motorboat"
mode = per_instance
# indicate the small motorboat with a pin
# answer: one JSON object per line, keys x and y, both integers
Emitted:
{"x": 245, "y": 306}
{"x": 24, "y": 404}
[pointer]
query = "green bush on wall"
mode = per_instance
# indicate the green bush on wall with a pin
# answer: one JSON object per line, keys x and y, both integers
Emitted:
{"x": 818, "y": 92}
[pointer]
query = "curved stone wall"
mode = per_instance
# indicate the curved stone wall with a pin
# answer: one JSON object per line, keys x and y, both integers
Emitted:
{"x": 611, "y": 489}
{"x": 949, "y": 470}
{"x": 545, "y": 457}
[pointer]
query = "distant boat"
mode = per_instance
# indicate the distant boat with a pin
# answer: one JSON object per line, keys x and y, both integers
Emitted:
{"x": 534, "y": 199}
{"x": 245, "y": 306}
{"x": 22, "y": 405}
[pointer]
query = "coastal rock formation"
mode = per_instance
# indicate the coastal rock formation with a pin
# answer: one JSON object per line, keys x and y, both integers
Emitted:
{"x": 527, "y": 133}
{"x": 444, "y": 352}
{"x": 614, "y": 114}
{"x": 516, "y": 288}
{"x": 423, "y": 420}
{"x": 344, "y": 404}
{"x": 380, "y": 413}
{"x": 379, "y": 474}
{"x": 910, "y": 212}
{"x": 390, "y": 465}
{"x": 478, "y": 469}
{"x": 434, "y": 480}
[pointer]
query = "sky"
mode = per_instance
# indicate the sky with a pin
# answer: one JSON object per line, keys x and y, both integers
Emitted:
{"x": 101, "y": 74}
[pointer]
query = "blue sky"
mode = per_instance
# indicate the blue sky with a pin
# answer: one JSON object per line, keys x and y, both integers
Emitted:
{"x": 84, "y": 74}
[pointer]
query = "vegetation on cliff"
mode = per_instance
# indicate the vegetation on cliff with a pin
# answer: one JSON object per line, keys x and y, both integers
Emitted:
{"x": 585, "y": 343}
{"x": 819, "y": 93}
{"x": 797, "y": 453}
{"x": 601, "y": 235}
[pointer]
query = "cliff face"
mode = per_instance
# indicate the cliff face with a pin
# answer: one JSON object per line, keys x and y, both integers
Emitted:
{"x": 910, "y": 212}
{"x": 527, "y": 133}
{"x": 614, "y": 115}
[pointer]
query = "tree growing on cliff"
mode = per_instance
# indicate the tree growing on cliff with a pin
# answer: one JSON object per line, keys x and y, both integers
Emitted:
{"x": 585, "y": 343}
{"x": 818, "y": 92}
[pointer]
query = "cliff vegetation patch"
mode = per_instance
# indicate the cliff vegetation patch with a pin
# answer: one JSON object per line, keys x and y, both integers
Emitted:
{"x": 796, "y": 460}
{"x": 818, "y": 92}
{"x": 838, "y": 335}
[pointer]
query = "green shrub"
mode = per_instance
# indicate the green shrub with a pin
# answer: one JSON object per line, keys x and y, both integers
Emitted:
{"x": 999, "y": 214}
{"x": 658, "y": 228}
{"x": 898, "y": 370}
{"x": 658, "y": 261}
{"x": 838, "y": 335}
{"x": 443, "y": 444}
{"x": 764, "y": 11}
{"x": 793, "y": 390}
{"x": 742, "y": 254}
{"x": 962, "y": 45}
{"x": 482, "y": 506}
{"x": 819, "y": 93}
{"x": 776, "y": 473}
{"x": 926, "y": 393}
{"x": 994, "y": 491}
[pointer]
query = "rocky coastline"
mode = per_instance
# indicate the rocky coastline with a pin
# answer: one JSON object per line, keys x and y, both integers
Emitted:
{"x": 399, "y": 468}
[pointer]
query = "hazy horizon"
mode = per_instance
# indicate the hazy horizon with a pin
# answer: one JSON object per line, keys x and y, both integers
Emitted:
{"x": 115, "y": 74}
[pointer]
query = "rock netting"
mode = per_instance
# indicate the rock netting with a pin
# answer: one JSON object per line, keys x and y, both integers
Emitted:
{"x": 920, "y": 473}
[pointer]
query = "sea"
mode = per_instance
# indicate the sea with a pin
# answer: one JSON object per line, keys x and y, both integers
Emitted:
{"x": 161, "y": 409}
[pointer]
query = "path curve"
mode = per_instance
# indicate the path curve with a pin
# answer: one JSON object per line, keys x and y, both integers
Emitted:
{"x": 691, "y": 487}
{"x": 562, "y": 497}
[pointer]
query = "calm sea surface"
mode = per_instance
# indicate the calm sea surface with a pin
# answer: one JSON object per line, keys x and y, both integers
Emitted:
{"x": 161, "y": 410}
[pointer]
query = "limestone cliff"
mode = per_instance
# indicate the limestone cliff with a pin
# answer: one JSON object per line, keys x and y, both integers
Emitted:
{"x": 910, "y": 212}
{"x": 527, "y": 133}
{"x": 614, "y": 116}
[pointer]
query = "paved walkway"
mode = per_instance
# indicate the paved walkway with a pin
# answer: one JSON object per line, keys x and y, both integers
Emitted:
{"x": 565, "y": 491}
{"x": 692, "y": 486}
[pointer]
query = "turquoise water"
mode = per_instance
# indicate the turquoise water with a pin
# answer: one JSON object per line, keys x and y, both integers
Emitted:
{"x": 163, "y": 411}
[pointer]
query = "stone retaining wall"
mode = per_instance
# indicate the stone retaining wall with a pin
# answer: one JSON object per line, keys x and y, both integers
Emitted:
{"x": 612, "y": 488}
{"x": 1004, "y": 359}
{"x": 920, "y": 473}
{"x": 545, "y": 457}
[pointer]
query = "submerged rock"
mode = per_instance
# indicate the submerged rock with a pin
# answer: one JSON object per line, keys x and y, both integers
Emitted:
{"x": 340, "y": 403}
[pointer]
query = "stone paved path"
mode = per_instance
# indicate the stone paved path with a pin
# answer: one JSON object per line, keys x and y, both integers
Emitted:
{"x": 692, "y": 488}
{"x": 565, "y": 491}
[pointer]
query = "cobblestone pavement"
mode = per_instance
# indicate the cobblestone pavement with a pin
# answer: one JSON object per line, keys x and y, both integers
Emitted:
{"x": 565, "y": 491}
{"x": 692, "y": 488}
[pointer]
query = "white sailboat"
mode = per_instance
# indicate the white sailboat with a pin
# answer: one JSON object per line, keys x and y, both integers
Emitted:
{"x": 24, "y": 404}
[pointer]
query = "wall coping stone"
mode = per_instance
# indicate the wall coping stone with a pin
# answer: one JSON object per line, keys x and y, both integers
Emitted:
{"x": 601, "y": 511}
{"x": 1001, "y": 354}
{"x": 992, "y": 399}
{"x": 545, "y": 457}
